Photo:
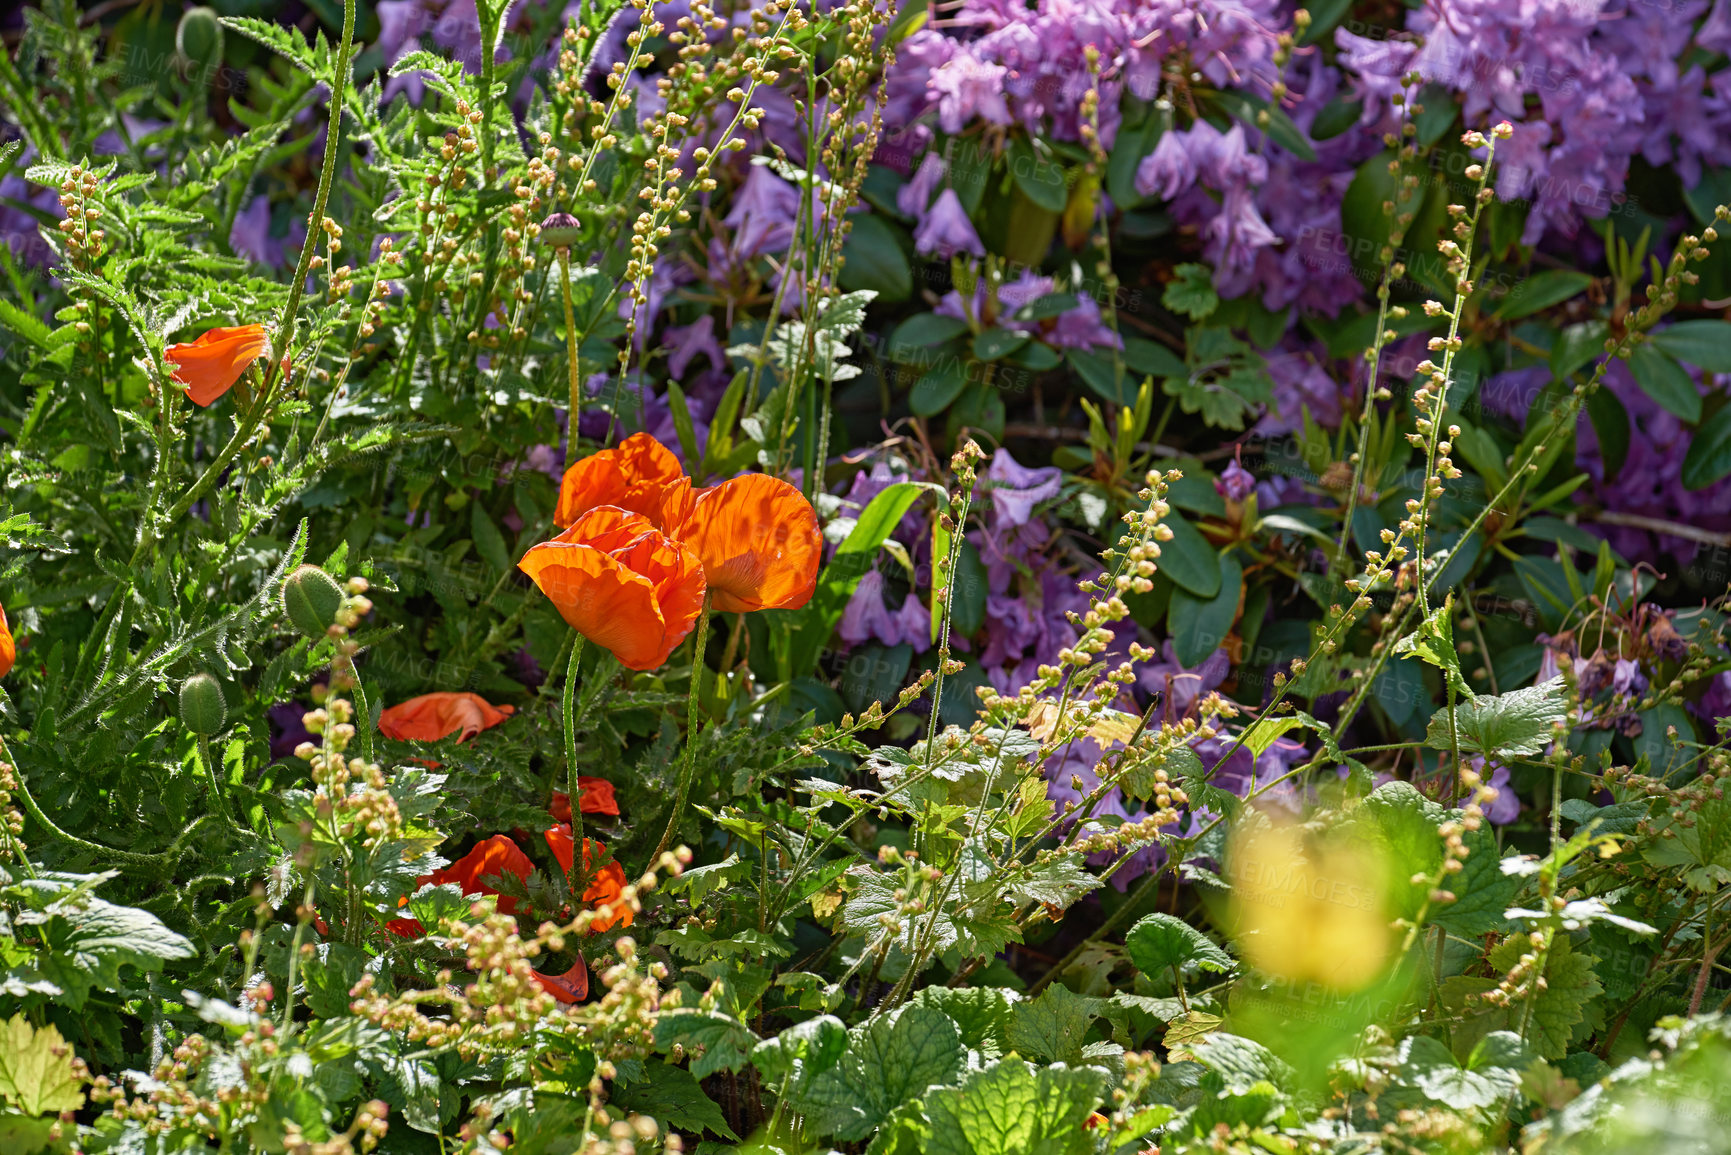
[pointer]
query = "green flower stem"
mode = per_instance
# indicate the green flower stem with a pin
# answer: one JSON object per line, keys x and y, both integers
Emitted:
{"x": 574, "y": 878}
{"x": 571, "y": 362}
{"x": 690, "y": 769}
{"x": 218, "y": 795}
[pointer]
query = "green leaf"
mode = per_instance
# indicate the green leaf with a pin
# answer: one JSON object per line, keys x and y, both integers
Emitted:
{"x": 1434, "y": 642}
{"x": 86, "y": 941}
{"x": 1709, "y": 457}
{"x": 1666, "y": 382}
{"x": 1188, "y": 559}
{"x": 981, "y": 1014}
{"x": 1053, "y": 1027}
{"x": 1151, "y": 358}
{"x": 1097, "y": 373}
{"x": 890, "y": 1060}
{"x": 807, "y": 1049}
{"x": 1704, "y": 344}
{"x": 672, "y": 1095}
{"x": 1059, "y": 882}
{"x": 1041, "y": 178}
{"x": 1577, "y": 345}
{"x": 489, "y": 542}
{"x": 936, "y": 390}
{"x": 1159, "y": 942}
{"x": 996, "y": 344}
{"x": 1191, "y": 291}
{"x": 1265, "y": 731}
{"x": 1516, "y": 722}
{"x": 1013, "y": 1109}
{"x": 923, "y": 329}
{"x": 1610, "y": 418}
{"x": 727, "y": 1043}
{"x": 1199, "y": 625}
{"x": 1541, "y": 291}
{"x": 36, "y": 1072}
{"x": 873, "y": 259}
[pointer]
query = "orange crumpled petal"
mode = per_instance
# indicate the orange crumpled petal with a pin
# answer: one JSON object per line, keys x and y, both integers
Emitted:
{"x": 9, "y": 651}
{"x": 431, "y": 717}
{"x": 608, "y": 883}
{"x": 498, "y": 855}
{"x": 594, "y": 796}
{"x": 211, "y": 365}
{"x": 570, "y": 987}
{"x": 758, "y": 539}
{"x": 621, "y": 583}
{"x": 639, "y": 474}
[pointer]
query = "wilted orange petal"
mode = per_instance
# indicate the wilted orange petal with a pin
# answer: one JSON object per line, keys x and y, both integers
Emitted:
{"x": 570, "y": 987}
{"x": 758, "y": 539}
{"x": 608, "y": 883}
{"x": 431, "y": 717}
{"x": 211, "y": 365}
{"x": 640, "y": 475}
{"x": 595, "y": 796}
{"x": 620, "y": 583}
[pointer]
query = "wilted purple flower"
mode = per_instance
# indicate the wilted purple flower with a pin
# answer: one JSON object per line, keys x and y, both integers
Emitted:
{"x": 1235, "y": 482}
{"x": 1627, "y": 678}
{"x": 946, "y": 230}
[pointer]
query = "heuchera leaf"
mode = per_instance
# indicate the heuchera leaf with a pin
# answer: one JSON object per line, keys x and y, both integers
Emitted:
{"x": 36, "y": 1072}
{"x": 1517, "y": 722}
{"x": 1160, "y": 941}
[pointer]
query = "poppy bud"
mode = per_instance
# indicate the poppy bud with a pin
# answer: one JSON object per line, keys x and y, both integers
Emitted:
{"x": 198, "y": 39}
{"x": 311, "y": 598}
{"x": 202, "y": 709}
{"x": 561, "y": 230}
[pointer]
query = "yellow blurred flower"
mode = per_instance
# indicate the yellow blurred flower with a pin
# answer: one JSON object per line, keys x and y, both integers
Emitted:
{"x": 1308, "y": 910}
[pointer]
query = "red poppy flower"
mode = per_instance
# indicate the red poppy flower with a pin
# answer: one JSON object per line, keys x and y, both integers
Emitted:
{"x": 758, "y": 539}
{"x": 594, "y": 796}
{"x": 211, "y": 365}
{"x": 640, "y": 474}
{"x": 621, "y": 583}
{"x": 431, "y": 717}
{"x": 608, "y": 883}
{"x": 9, "y": 649}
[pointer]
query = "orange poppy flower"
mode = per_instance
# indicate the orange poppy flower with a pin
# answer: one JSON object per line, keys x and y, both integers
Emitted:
{"x": 499, "y": 855}
{"x": 608, "y": 883}
{"x": 639, "y": 474}
{"x": 431, "y": 717}
{"x": 758, "y": 539}
{"x": 594, "y": 796}
{"x": 9, "y": 648}
{"x": 621, "y": 583}
{"x": 211, "y": 365}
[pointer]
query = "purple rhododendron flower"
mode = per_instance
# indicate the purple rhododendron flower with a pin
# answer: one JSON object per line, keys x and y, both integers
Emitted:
{"x": 946, "y": 229}
{"x": 1015, "y": 489}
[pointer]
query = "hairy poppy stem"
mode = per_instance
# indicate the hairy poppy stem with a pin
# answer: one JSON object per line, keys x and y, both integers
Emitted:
{"x": 574, "y": 877}
{"x": 570, "y": 360}
{"x": 690, "y": 768}
{"x": 218, "y": 795}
